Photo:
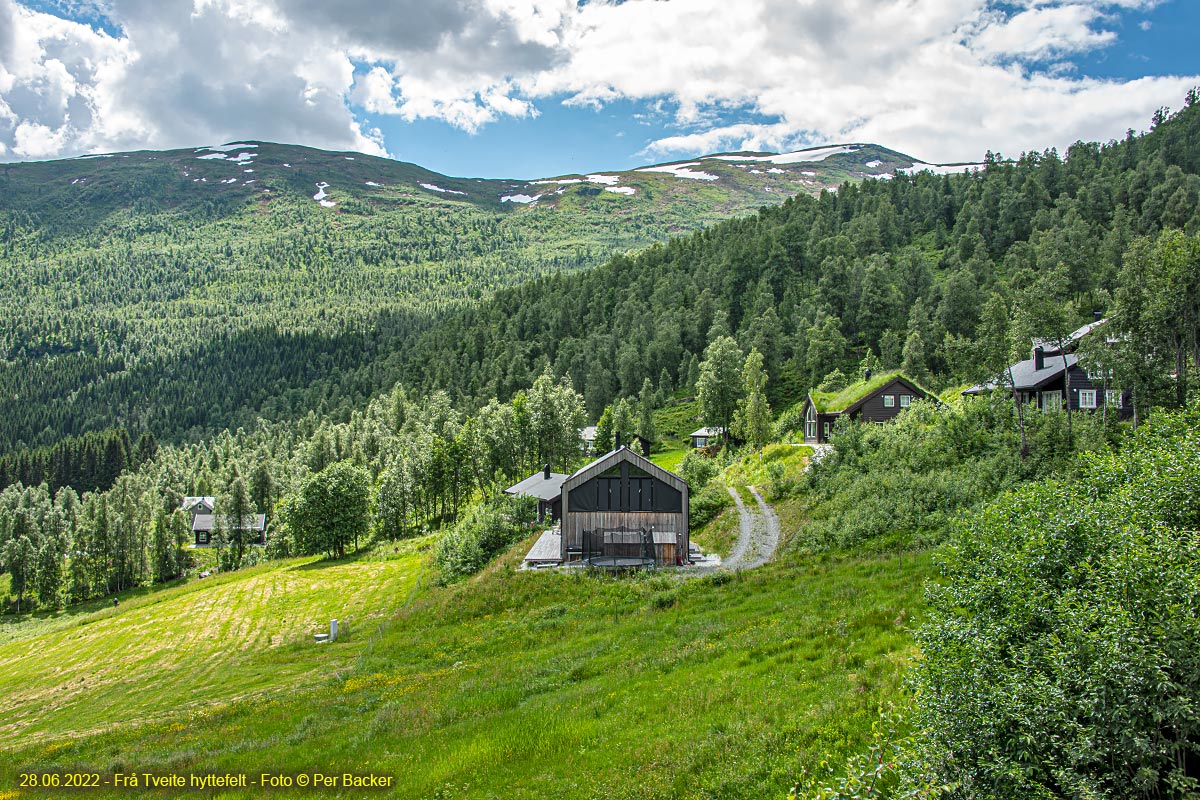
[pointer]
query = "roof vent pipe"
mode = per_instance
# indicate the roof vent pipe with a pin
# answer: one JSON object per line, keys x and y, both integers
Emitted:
{"x": 546, "y": 471}
{"x": 618, "y": 447}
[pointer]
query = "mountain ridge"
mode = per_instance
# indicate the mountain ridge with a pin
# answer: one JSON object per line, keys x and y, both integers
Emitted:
{"x": 250, "y": 169}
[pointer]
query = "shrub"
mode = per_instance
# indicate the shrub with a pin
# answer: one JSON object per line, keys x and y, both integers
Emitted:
{"x": 484, "y": 532}
{"x": 707, "y": 504}
{"x": 698, "y": 470}
{"x": 790, "y": 422}
{"x": 1059, "y": 656}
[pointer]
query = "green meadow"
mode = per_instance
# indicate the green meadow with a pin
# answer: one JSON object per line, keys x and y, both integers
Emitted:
{"x": 189, "y": 648}
{"x": 508, "y": 685}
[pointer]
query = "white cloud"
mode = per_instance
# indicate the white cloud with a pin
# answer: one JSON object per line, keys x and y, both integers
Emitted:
{"x": 1043, "y": 32}
{"x": 940, "y": 79}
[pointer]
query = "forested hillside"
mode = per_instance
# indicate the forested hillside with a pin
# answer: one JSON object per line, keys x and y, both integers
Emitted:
{"x": 943, "y": 275}
{"x": 183, "y": 292}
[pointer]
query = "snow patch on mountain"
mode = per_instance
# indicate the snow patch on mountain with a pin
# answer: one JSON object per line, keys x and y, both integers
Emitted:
{"x": 606, "y": 180}
{"x": 626, "y": 190}
{"x": 938, "y": 169}
{"x": 373, "y": 183}
{"x": 320, "y": 195}
{"x": 431, "y": 187}
{"x": 225, "y": 148}
{"x": 520, "y": 198}
{"x": 240, "y": 158}
{"x": 874, "y": 164}
{"x": 682, "y": 171}
{"x": 813, "y": 154}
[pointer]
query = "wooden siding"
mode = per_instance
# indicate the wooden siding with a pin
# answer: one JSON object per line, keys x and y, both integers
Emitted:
{"x": 575, "y": 522}
{"x": 1080, "y": 380}
{"x": 872, "y": 409}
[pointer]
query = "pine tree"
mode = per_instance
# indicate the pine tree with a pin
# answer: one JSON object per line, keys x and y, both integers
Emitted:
{"x": 645, "y": 421}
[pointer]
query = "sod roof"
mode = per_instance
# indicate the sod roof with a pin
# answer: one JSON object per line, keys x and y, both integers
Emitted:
{"x": 830, "y": 402}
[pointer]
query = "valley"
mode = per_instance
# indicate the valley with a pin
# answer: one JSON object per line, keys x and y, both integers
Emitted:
{"x": 942, "y": 423}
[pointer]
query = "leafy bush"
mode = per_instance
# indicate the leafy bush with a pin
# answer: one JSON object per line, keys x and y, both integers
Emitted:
{"x": 835, "y": 381}
{"x": 707, "y": 504}
{"x": 698, "y": 470}
{"x": 484, "y": 532}
{"x": 790, "y": 422}
{"x": 902, "y": 483}
{"x": 1060, "y": 654}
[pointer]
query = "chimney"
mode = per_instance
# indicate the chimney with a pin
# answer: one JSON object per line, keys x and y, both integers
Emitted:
{"x": 1039, "y": 358}
{"x": 618, "y": 447}
{"x": 546, "y": 472}
{"x": 1097, "y": 316}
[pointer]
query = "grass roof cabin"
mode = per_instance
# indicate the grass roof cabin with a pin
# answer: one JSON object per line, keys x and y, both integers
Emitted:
{"x": 877, "y": 399}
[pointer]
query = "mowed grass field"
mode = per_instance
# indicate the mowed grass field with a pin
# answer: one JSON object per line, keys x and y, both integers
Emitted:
{"x": 191, "y": 647}
{"x": 508, "y": 685}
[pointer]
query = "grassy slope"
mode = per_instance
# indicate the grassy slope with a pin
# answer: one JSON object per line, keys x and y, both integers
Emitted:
{"x": 508, "y": 685}
{"x": 191, "y": 646}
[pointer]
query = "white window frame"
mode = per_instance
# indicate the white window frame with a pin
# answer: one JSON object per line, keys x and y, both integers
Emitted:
{"x": 889, "y": 401}
{"x": 905, "y": 400}
{"x": 1051, "y": 401}
{"x": 1087, "y": 398}
{"x": 1112, "y": 397}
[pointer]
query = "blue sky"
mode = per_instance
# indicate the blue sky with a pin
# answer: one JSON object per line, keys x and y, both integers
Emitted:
{"x": 534, "y": 88}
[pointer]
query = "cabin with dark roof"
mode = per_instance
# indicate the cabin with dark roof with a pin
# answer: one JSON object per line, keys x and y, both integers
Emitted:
{"x": 203, "y": 526}
{"x": 546, "y": 486}
{"x": 876, "y": 399}
{"x": 1040, "y": 381}
{"x": 704, "y": 437}
{"x": 622, "y": 510}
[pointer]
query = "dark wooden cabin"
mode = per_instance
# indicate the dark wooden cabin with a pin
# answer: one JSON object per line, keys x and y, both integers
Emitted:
{"x": 878, "y": 399}
{"x": 1041, "y": 382}
{"x": 546, "y": 486}
{"x": 623, "y": 510}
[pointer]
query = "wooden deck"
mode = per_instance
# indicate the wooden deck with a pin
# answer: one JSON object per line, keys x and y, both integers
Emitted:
{"x": 547, "y": 549}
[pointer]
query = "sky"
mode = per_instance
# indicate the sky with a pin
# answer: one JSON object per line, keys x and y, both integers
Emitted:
{"x": 540, "y": 88}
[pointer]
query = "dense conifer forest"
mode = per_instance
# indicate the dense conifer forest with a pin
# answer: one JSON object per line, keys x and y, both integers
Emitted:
{"x": 935, "y": 274}
{"x": 183, "y": 292}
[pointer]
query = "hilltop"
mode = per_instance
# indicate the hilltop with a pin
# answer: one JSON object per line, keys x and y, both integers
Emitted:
{"x": 86, "y": 190}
